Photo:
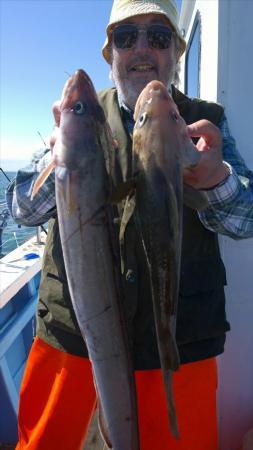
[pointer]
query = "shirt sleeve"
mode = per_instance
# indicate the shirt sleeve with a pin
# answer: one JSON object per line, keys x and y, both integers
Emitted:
{"x": 18, "y": 195}
{"x": 230, "y": 210}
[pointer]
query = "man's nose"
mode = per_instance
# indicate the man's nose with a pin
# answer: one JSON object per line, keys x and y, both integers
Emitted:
{"x": 142, "y": 40}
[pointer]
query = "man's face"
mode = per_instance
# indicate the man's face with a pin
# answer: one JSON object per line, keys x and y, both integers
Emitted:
{"x": 133, "y": 68}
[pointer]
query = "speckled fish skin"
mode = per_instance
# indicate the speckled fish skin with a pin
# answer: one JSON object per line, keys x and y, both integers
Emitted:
{"x": 161, "y": 149}
{"x": 82, "y": 153}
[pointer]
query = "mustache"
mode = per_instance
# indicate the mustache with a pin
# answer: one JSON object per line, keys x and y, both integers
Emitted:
{"x": 141, "y": 60}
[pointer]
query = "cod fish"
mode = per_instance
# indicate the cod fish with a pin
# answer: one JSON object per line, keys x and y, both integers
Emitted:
{"x": 81, "y": 157}
{"x": 161, "y": 150}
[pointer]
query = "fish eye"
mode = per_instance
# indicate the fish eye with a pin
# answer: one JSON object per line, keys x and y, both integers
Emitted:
{"x": 79, "y": 108}
{"x": 174, "y": 116}
{"x": 142, "y": 119}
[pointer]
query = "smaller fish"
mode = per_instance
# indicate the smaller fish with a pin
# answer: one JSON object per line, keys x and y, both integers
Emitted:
{"x": 161, "y": 151}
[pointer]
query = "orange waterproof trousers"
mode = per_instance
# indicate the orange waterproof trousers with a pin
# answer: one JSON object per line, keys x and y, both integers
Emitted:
{"x": 58, "y": 399}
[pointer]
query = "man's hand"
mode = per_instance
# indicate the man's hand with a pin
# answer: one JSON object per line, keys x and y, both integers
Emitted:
{"x": 211, "y": 170}
{"x": 57, "y": 117}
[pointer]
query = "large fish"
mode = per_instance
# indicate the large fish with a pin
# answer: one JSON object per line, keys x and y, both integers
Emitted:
{"x": 81, "y": 155}
{"x": 161, "y": 150}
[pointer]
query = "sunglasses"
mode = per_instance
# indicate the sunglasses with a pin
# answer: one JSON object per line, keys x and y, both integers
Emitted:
{"x": 158, "y": 36}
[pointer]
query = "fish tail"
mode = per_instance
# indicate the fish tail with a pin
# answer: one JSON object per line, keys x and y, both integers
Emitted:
{"x": 42, "y": 178}
{"x": 168, "y": 380}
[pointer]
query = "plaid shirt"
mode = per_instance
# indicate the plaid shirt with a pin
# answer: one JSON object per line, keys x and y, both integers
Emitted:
{"x": 18, "y": 195}
{"x": 230, "y": 209}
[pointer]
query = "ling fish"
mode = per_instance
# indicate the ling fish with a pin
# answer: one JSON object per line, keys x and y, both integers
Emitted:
{"x": 81, "y": 157}
{"x": 161, "y": 150}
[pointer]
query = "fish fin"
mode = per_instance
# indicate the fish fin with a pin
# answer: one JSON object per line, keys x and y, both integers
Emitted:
{"x": 174, "y": 211}
{"x": 70, "y": 196}
{"x": 168, "y": 381}
{"x": 109, "y": 150}
{"x": 194, "y": 198}
{"x": 67, "y": 180}
{"x": 44, "y": 174}
{"x": 126, "y": 216}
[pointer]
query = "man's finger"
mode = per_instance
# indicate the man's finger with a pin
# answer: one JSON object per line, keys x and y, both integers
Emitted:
{"x": 202, "y": 128}
{"x": 207, "y": 130}
{"x": 56, "y": 112}
{"x": 53, "y": 137}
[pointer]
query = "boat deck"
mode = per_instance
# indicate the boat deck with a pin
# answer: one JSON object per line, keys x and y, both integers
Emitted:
{"x": 19, "y": 281}
{"x": 16, "y": 270}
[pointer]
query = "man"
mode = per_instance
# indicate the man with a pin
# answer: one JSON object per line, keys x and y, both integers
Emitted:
{"x": 57, "y": 396}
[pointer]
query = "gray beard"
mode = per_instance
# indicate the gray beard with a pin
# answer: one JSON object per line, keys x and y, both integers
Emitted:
{"x": 128, "y": 95}
{"x": 128, "y": 99}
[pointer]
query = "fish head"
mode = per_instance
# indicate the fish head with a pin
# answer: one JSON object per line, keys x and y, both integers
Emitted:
{"x": 80, "y": 122}
{"x": 160, "y": 132}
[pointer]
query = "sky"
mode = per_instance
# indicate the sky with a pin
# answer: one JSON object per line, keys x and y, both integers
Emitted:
{"x": 41, "y": 43}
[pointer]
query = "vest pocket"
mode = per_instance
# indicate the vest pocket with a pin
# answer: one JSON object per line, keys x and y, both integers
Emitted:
{"x": 55, "y": 306}
{"x": 201, "y": 276}
{"x": 201, "y": 308}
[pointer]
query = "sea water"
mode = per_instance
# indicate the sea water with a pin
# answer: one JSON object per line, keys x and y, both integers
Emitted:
{"x": 13, "y": 235}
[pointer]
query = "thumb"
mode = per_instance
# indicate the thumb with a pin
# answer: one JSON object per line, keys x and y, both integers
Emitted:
{"x": 207, "y": 130}
{"x": 57, "y": 117}
{"x": 57, "y": 112}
